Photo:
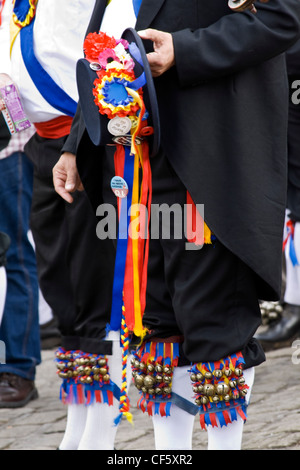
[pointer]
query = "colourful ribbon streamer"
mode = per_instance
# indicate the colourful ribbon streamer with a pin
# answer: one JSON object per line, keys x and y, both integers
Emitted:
{"x": 290, "y": 236}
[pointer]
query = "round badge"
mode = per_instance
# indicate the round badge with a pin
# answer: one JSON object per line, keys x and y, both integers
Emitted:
{"x": 119, "y": 126}
{"x": 95, "y": 66}
{"x": 119, "y": 187}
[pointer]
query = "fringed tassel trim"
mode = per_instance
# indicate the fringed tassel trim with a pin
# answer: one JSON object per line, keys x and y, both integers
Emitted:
{"x": 85, "y": 378}
{"x": 220, "y": 390}
{"x": 152, "y": 370}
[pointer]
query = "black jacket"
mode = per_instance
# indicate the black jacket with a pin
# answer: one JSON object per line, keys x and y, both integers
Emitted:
{"x": 223, "y": 110}
{"x": 293, "y": 195}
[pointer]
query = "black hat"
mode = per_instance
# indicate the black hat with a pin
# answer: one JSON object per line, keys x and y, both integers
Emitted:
{"x": 96, "y": 123}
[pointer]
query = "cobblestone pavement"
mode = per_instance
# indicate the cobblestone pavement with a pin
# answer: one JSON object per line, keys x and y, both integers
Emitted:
{"x": 273, "y": 415}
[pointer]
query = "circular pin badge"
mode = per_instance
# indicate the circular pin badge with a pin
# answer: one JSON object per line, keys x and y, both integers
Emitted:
{"x": 119, "y": 126}
{"x": 95, "y": 66}
{"x": 119, "y": 187}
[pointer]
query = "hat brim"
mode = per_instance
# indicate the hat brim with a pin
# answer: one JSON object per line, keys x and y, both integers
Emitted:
{"x": 95, "y": 122}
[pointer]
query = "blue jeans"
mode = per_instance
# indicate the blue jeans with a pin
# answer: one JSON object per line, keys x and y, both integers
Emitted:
{"x": 20, "y": 325}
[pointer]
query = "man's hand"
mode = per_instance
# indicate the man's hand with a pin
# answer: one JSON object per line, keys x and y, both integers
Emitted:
{"x": 65, "y": 176}
{"x": 163, "y": 56}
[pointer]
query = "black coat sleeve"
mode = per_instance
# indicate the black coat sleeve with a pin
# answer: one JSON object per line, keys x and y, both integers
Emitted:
{"x": 71, "y": 142}
{"x": 236, "y": 41}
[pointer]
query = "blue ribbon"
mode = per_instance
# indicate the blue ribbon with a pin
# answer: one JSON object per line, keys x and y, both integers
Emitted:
{"x": 50, "y": 91}
{"x": 293, "y": 255}
{"x": 122, "y": 243}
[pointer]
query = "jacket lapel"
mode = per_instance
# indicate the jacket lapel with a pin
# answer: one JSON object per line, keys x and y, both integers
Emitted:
{"x": 147, "y": 13}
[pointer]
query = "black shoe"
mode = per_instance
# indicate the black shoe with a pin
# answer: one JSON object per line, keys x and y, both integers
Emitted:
{"x": 50, "y": 335}
{"x": 282, "y": 333}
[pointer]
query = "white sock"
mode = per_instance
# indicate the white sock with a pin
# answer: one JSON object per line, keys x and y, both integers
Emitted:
{"x": 3, "y": 287}
{"x": 175, "y": 432}
{"x": 45, "y": 311}
{"x": 100, "y": 430}
{"x": 76, "y": 419}
{"x": 230, "y": 437}
{"x": 292, "y": 291}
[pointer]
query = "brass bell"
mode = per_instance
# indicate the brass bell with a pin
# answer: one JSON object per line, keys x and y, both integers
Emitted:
{"x": 198, "y": 401}
{"x": 102, "y": 362}
{"x": 159, "y": 378}
{"x": 227, "y": 398}
{"x": 60, "y": 365}
{"x": 144, "y": 390}
{"x": 88, "y": 380}
{"x": 96, "y": 369}
{"x": 232, "y": 383}
{"x": 218, "y": 373}
{"x": 137, "y": 364}
{"x": 151, "y": 391}
{"x": 238, "y": 372}
{"x": 209, "y": 390}
{"x": 96, "y": 377}
{"x": 70, "y": 365}
{"x": 132, "y": 362}
{"x": 222, "y": 389}
{"x": 150, "y": 368}
{"x": 159, "y": 368}
{"x": 243, "y": 392}
{"x": 103, "y": 370}
{"x": 139, "y": 380}
{"x": 216, "y": 399}
{"x": 167, "y": 390}
{"x": 167, "y": 369}
{"x": 200, "y": 388}
{"x": 106, "y": 378}
{"x": 87, "y": 371}
{"x": 204, "y": 400}
{"x": 69, "y": 374}
{"x": 193, "y": 378}
{"x": 80, "y": 370}
{"x": 149, "y": 381}
{"x": 200, "y": 377}
{"x": 167, "y": 379}
{"x": 142, "y": 366}
{"x": 158, "y": 391}
{"x": 241, "y": 381}
{"x": 208, "y": 375}
{"x": 195, "y": 389}
{"x": 62, "y": 375}
{"x": 228, "y": 372}
{"x": 75, "y": 373}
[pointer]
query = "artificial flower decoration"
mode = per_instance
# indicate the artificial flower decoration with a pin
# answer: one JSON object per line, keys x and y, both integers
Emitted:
{"x": 95, "y": 43}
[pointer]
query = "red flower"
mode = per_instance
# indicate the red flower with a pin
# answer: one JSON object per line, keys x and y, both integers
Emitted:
{"x": 95, "y": 43}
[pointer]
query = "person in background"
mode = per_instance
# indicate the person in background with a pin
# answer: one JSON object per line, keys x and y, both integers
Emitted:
{"x": 19, "y": 328}
{"x": 284, "y": 331}
{"x": 75, "y": 268}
